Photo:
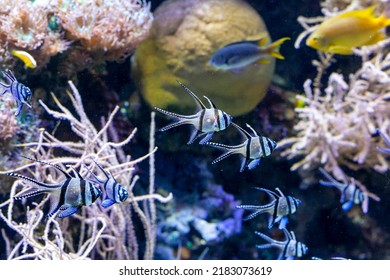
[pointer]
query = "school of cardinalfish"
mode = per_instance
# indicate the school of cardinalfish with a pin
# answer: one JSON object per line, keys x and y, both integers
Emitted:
{"x": 208, "y": 121}
{"x": 339, "y": 35}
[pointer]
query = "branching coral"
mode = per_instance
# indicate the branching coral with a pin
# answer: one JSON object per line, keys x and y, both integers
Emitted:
{"x": 337, "y": 126}
{"x": 97, "y": 232}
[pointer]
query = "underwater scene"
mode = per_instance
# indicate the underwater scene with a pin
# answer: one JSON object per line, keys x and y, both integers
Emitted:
{"x": 194, "y": 129}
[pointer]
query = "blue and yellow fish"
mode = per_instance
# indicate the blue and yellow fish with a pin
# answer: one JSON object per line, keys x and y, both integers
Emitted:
{"x": 342, "y": 33}
{"x": 252, "y": 150}
{"x": 243, "y": 53}
{"x": 278, "y": 209}
{"x": 205, "y": 122}
{"x": 66, "y": 196}
{"x": 20, "y": 92}
{"x": 289, "y": 249}
{"x": 114, "y": 192}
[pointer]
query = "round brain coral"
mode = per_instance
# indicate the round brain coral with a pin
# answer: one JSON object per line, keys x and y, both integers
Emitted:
{"x": 184, "y": 35}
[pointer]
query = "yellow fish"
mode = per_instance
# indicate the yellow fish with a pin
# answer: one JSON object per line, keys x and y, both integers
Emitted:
{"x": 27, "y": 58}
{"x": 342, "y": 33}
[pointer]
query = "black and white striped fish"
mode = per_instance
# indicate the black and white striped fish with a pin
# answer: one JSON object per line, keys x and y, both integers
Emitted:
{"x": 278, "y": 209}
{"x": 114, "y": 192}
{"x": 252, "y": 149}
{"x": 20, "y": 92}
{"x": 205, "y": 122}
{"x": 350, "y": 193}
{"x": 289, "y": 249}
{"x": 67, "y": 196}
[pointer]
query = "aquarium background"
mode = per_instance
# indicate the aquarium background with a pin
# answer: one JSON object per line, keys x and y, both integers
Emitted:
{"x": 201, "y": 221}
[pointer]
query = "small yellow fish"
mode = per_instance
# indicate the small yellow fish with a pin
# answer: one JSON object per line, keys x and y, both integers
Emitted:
{"x": 342, "y": 33}
{"x": 27, "y": 58}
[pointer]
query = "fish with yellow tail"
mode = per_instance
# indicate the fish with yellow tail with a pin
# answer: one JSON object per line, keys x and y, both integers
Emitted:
{"x": 20, "y": 92}
{"x": 28, "y": 59}
{"x": 205, "y": 122}
{"x": 243, "y": 53}
{"x": 342, "y": 33}
{"x": 252, "y": 150}
{"x": 66, "y": 196}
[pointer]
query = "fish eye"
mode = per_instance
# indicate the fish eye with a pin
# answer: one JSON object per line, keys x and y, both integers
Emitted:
{"x": 123, "y": 194}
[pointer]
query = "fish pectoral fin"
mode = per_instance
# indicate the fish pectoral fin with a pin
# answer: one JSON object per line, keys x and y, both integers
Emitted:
{"x": 283, "y": 222}
{"x": 253, "y": 163}
{"x": 377, "y": 37}
{"x": 340, "y": 50}
{"x": 347, "y": 205}
{"x": 19, "y": 110}
{"x": 107, "y": 202}
{"x": 68, "y": 211}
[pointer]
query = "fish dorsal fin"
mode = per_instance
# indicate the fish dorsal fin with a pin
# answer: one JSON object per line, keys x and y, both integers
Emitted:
{"x": 252, "y": 129}
{"x": 269, "y": 192}
{"x": 106, "y": 173}
{"x": 193, "y": 96}
{"x": 75, "y": 173}
{"x": 256, "y": 40}
{"x": 262, "y": 41}
{"x": 67, "y": 175}
{"x": 365, "y": 13}
{"x": 210, "y": 102}
{"x": 8, "y": 73}
{"x": 242, "y": 131}
{"x": 97, "y": 179}
{"x": 280, "y": 192}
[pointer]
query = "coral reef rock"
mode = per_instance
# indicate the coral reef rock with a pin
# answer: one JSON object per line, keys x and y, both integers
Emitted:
{"x": 184, "y": 35}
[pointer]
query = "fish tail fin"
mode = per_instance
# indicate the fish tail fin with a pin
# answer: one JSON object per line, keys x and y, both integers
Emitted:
{"x": 31, "y": 180}
{"x": 223, "y": 156}
{"x": 229, "y": 150}
{"x": 172, "y": 125}
{"x": 275, "y": 46}
{"x": 30, "y": 193}
{"x": 40, "y": 188}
